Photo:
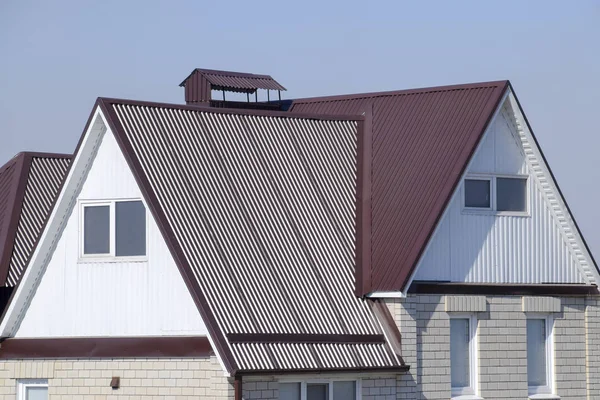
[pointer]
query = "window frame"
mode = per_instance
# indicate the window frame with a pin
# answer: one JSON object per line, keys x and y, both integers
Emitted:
{"x": 550, "y": 387}
{"x": 329, "y": 381}
{"x": 23, "y": 384}
{"x": 493, "y": 209}
{"x": 472, "y": 390}
{"x": 111, "y": 255}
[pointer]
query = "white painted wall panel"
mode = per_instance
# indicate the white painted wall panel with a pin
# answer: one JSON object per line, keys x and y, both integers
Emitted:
{"x": 110, "y": 298}
{"x": 495, "y": 248}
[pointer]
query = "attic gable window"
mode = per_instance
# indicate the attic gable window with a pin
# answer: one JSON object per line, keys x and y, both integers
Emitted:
{"x": 496, "y": 193}
{"x": 113, "y": 229}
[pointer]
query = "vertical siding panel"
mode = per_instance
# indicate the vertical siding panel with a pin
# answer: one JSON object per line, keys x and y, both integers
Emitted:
{"x": 511, "y": 249}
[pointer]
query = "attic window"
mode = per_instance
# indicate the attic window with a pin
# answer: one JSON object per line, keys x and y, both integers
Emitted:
{"x": 114, "y": 229}
{"x": 505, "y": 195}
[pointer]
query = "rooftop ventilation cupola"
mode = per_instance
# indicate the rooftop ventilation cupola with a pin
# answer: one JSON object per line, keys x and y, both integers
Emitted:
{"x": 200, "y": 84}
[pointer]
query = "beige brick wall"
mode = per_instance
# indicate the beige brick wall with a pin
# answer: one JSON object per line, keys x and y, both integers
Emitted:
{"x": 592, "y": 332}
{"x": 140, "y": 378}
{"x": 502, "y": 347}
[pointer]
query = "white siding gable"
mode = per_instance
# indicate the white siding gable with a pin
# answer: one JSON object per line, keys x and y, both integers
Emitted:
{"x": 495, "y": 248}
{"x": 147, "y": 298}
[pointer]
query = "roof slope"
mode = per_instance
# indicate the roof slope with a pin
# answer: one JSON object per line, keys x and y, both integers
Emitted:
{"x": 259, "y": 212}
{"x": 29, "y": 185}
{"x": 422, "y": 141}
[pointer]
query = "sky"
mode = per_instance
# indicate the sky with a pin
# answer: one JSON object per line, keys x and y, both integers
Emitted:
{"x": 57, "y": 57}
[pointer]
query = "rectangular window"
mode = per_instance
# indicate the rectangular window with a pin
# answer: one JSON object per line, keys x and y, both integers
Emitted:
{"x": 32, "y": 389}
{"x": 114, "y": 229}
{"x": 511, "y": 194}
{"x": 501, "y": 194}
{"x": 96, "y": 236}
{"x": 319, "y": 390}
{"x": 477, "y": 193}
{"x": 539, "y": 355}
{"x": 463, "y": 355}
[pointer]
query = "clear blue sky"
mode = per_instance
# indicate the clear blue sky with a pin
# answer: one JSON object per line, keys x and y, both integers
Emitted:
{"x": 57, "y": 57}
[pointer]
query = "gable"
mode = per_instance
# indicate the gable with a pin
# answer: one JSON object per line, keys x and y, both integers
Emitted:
{"x": 76, "y": 298}
{"x": 491, "y": 247}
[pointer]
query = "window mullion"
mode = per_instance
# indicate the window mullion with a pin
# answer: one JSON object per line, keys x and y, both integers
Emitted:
{"x": 112, "y": 226}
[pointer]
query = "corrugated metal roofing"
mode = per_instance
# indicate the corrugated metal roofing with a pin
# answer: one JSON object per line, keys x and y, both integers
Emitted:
{"x": 422, "y": 140}
{"x": 45, "y": 178}
{"x": 230, "y": 80}
{"x": 29, "y": 185}
{"x": 260, "y": 209}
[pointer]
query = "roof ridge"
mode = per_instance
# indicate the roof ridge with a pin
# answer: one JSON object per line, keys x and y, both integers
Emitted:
{"x": 400, "y": 92}
{"x": 230, "y": 111}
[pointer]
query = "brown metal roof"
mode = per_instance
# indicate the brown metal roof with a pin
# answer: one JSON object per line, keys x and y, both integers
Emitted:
{"x": 29, "y": 185}
{"x": 422, "y": 140}
{"x": 235, "y": 81}
{"x": 259, "y": 211}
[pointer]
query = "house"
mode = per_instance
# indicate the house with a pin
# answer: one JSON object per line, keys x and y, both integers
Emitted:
{"x": 407, "y": 245}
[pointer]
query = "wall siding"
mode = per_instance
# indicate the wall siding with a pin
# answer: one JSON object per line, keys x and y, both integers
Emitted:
{"x": 85, "y": 379}
{"x": 502, "y": 344}
{"x": 471, "y": 247}
{"x": 110, "y": 298}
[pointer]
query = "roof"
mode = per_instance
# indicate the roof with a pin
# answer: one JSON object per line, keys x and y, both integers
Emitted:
{"x": 258, "y": 210}
{"x": 29, "y": 185}
{"x": 235, "y": 81}
{"x": 422, "y": 140}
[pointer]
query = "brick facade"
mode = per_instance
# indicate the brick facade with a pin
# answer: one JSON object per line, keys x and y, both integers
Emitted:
{"x": 140, "y": 378}
{"x": 502, "y": 342}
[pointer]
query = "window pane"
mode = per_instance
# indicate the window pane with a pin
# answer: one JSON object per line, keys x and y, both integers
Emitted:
{"x": 344, "y": 390}
{"x": 289, "y": 391}
{"x": 459, "y": 352}
{"x": 96, "y": 227}
{"x": 536, "y": 352}
{"x": 130, "y": 231}
{"x": 477, "y": 193}
{"x": 317, "y": 391}
{"x": 511, "y": 194}
{"x": 36, "y": 393}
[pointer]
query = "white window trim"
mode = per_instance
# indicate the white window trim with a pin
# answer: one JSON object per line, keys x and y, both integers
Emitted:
{"x": 492, "y": 210}
{"x": 548, "y": 390}
{"x": 109, "y": 257}
{"x": 472, "y": 391}
{"x": 328, "y": 381}
{"x": 23, "y": 384}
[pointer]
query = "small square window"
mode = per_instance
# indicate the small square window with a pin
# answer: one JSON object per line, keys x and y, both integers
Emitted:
{"x": 114, "y": 229}
{"x": 289, "y": 391}
{"x": 477, "y": 193}
{"x": 32, "y": 389}
{"x": 317, "y": 391}
{"x": 511, "y": 194}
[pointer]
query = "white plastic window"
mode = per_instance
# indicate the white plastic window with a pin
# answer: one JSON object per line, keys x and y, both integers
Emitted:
{"x": 463, "y": 354}
{"x": 319, "y": 390}
{"x": 539, "y": 354}
{"x": 113, "y": 229}
{"x": 497, "y": 194}
{"x": 32, "y": 389}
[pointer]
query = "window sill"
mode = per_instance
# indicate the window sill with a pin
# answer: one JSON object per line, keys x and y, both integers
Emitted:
{"x": 544, "y": 396}
{"x": 111, "y": 259}
{"x": 467, "y": 397}
{"x": 488, "y": 212}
